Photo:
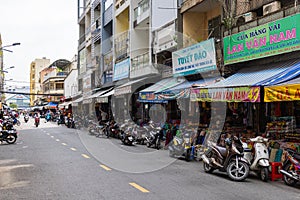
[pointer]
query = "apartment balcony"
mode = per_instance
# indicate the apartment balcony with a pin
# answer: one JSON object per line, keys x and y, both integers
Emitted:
{"x": 108, "y": 15}
{"x": 96, "y": 61}
{"x": 141, "y": 12}
{"x": 95, "y": 3}
{"x": 122, "y": 45}
{"x": 107, "y": 45}
{"x": 120, "y": 6}
{"x": 140, "y": 66}
{"x": 81, "y": 39}
{"x": 165, "y": 38}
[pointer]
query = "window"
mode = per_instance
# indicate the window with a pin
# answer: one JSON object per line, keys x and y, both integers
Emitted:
{"x": 214, "y": 28}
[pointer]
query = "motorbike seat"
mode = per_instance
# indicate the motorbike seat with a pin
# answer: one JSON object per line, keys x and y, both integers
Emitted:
{"x": 222, "y": 150}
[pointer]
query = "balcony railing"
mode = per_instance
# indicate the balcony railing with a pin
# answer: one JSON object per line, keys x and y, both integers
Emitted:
{"x": 119, "y": 3}
{"x": 140, "y": 61}
{"x": 108, "y": 15}
{"x": 143, "y": 6}
{"x": 81, "y": 39}
{"x": 122, "y": 45}
{"x": 95, "y": 3}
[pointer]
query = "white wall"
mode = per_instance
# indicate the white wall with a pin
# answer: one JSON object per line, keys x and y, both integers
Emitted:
{"x": 163, "y": 12}
{"x": 71, "y": 84}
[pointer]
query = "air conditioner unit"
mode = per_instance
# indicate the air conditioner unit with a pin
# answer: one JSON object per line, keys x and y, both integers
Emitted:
{"x": 249, "y": 16}
{"x": 271, "y": 7}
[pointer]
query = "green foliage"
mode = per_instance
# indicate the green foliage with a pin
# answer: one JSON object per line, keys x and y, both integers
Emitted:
{"x": 13, "y": 105}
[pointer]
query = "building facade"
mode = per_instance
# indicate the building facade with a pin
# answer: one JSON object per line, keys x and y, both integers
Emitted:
{"x": 36, "y": 67}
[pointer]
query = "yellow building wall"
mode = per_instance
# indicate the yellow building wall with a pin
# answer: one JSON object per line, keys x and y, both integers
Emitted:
{"x": 195, "y": 25}
{"x": 122, "y": 21}
{"x": 194, "y": 28}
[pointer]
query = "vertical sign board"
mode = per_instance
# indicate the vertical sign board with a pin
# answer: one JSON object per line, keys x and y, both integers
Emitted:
{"x": 121, "y": 70}
{"x": 273, "y": 38}
{"x": 194, "y": 59}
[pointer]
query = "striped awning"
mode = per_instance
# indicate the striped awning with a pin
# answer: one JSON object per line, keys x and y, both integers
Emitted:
{"x": 260, "y": 75}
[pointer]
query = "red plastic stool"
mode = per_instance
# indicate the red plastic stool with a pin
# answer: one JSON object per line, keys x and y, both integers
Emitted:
{"x": 275, "y": 168}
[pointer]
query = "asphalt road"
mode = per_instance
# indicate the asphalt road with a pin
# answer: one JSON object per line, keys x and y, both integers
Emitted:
{"x": 54, "y": 162}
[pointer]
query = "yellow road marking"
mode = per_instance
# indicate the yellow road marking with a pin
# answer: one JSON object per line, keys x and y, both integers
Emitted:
{"x": 64, "y": 144}
{"x": 140, "y": 188}
{"x": 85, "y": 156}
{"x": 57, "y": 140}
{"x": 106, "y": 168}
{"x": 73, "y": 149}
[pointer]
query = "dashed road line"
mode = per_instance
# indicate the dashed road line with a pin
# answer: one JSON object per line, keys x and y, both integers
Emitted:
{"x": 106, "y": 168}
{"x": 85, "y": 156}
{"x": 52, "y": 136}
{"x": 73, "y": 149}
{"x": 140, "y": 188}
{"x": 57, "y": 140}
{"x": 48, "y": 133}
{"x": 64, "y": 144}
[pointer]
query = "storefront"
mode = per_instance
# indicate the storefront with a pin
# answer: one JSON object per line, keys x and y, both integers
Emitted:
{"x": 282, "y": 110}
{"x": 151, "y": 96}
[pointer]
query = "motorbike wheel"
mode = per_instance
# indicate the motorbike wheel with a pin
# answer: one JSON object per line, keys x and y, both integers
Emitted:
{"x": 264, "y": 174}
{"x": 157, "y": 144}
{"x": 287, "y": 180}
{"x": 148, "y": 144}
{"x": 18, "y": 123}
{"x": 11, "y": 139}
{"x": 36, "y": 125}
{"x": 237, "y": 173}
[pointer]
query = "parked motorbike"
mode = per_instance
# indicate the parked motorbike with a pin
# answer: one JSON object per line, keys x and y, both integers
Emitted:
{"x": 291, "y": 167}
{"x": 114, "y": 130}
{"x": 127, "y": 137}
{"x": 36, "y": 121}
{"x": 9, "y": 136}
{"x": 181, "y": 146}
{"x": 70, "y": 122}
{"x": 228, "y": 160}
{"x": 259, "y": 158}
{"x": 153, "y": 138}
{"x": 139, "y": 134}
{"x": 26, "y": 118}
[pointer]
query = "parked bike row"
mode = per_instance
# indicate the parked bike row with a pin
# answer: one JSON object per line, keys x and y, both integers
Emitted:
{"x": 234, "y": 157}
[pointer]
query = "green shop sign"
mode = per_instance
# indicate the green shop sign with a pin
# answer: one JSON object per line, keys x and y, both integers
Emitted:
{"x": 270, "y": 39}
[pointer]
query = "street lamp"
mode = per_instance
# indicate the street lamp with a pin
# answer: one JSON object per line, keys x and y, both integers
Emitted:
{"x": 11, "y": 45}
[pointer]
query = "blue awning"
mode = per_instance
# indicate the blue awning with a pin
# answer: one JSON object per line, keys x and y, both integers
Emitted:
{"x": 259, "y": 75}
{"x": 291, "y": 82}
{"x": 292, "y": 72}
{"x": 151, "y": 94}
{"x": 189, "y": 84}
{"x": 51, "y": 104}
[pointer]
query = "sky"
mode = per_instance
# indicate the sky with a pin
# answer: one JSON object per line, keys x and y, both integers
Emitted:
{"x": 45, "y": 28}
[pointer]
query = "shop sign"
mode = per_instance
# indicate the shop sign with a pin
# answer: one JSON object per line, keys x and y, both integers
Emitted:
{"x": 121, "y": 70}
{"x": 87, "y": 83}
{"x": 108, "y": 61}
{"x": 273, "y": 38}
{"x": 282, "y": 93}
{"x": 237, "y": 94}
{"x": 87, "y": 101}
{"x": 123, "y": 90}
{"x": 102, "y": 99}
{"x": 194, "y": 59}
{"x": 149, "y": 97}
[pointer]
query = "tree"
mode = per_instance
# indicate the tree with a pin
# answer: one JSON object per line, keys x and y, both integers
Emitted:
{"x": 13, "y": 105}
